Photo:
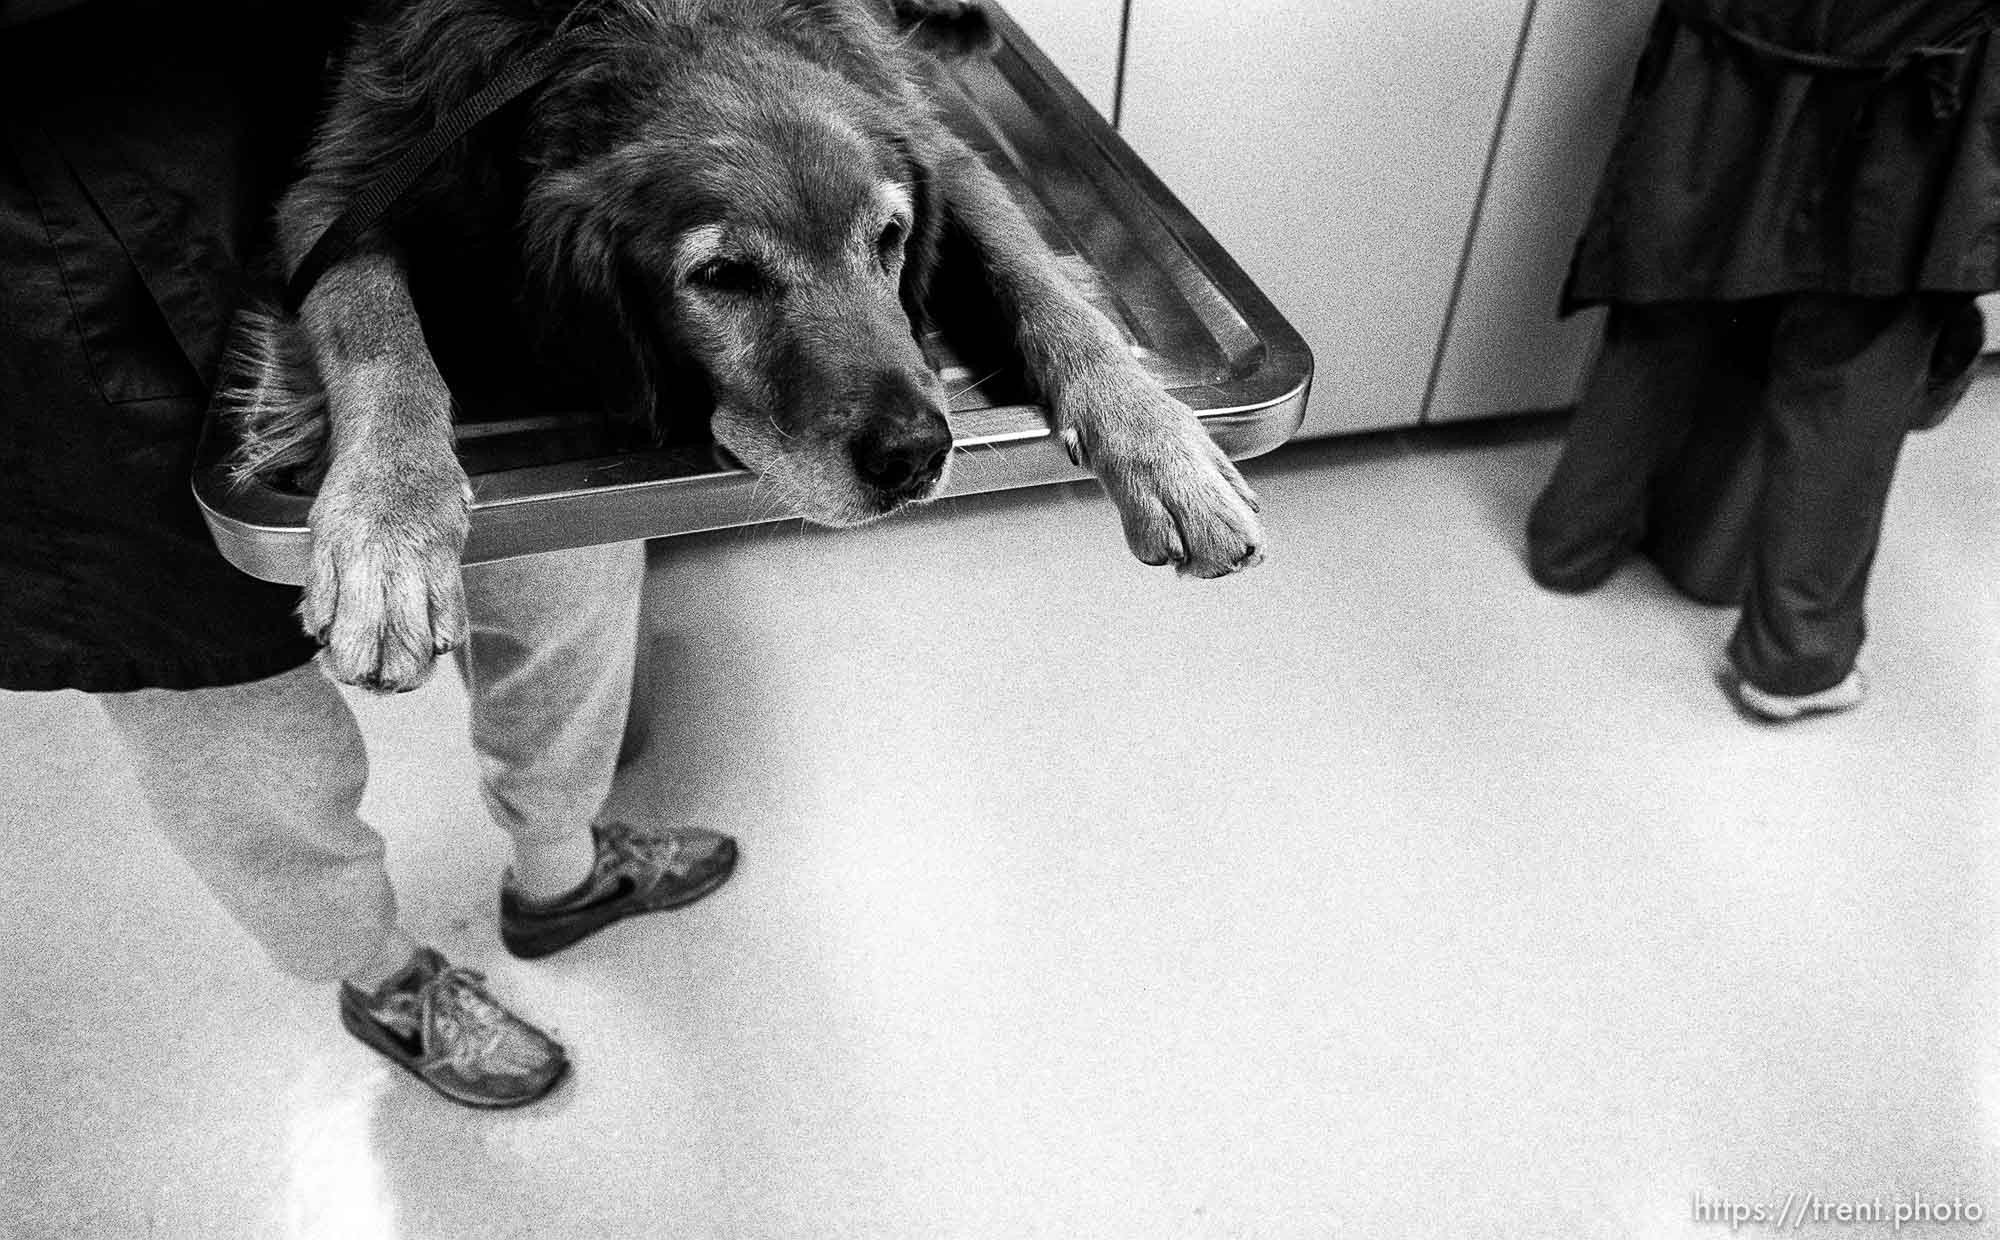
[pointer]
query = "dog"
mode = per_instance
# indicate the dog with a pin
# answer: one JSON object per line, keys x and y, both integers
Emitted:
{"x": 743, "y": 208}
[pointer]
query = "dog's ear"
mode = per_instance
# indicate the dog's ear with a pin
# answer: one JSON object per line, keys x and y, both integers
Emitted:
{"x": 945, "y": 27}
{"x": 920, "y": 251}
{"x": 595, "y": 317}
{"x": 947, "y": 286}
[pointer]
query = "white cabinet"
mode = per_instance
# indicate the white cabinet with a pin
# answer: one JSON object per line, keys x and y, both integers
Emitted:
{"x": 1336, "y": 148}
{"x": 1081, "y": 36}
{"x": 1506, "y": 351}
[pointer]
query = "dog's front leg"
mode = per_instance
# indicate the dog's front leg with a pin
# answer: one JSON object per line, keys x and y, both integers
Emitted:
{"x": 1181, "y": 500}
{"x": 385, "y": 597}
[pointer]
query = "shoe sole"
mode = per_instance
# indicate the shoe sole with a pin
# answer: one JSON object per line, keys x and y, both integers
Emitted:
{"x": 372, "y": 1036}
{"x": 532, "y": 944}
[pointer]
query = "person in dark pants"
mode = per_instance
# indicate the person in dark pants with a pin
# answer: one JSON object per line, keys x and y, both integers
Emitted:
{"x": 1802, "y": 203}
{"x": 142, "y": 144}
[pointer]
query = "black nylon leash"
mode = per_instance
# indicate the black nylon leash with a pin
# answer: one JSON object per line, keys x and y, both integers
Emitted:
{"x": 381, "y": 193}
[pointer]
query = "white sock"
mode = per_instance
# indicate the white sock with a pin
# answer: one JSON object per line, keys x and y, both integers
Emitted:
{"x": 546, "y": 872}
{"x": 387, "y": 962}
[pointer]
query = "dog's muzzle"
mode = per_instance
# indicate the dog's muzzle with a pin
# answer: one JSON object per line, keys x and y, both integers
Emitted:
{"x": 902, "y": 456}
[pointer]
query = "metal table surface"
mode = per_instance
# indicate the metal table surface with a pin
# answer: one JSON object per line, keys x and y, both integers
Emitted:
{"x": 1191, "y": 316}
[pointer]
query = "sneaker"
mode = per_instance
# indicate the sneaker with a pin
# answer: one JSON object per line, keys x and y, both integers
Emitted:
{"x": 440, "y": 1024}
{"x": 637, "y": 871}
{"x": 1781, "y": 708}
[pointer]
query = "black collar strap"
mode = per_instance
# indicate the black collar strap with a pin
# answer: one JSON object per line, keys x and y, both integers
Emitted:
{"x": 380, "y": 194}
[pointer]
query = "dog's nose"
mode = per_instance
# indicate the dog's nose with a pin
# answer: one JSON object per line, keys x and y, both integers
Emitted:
{"x": 901, "y": 456}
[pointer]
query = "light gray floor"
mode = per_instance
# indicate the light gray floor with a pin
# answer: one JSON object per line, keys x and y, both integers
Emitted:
{"x": 1374, "y": 893}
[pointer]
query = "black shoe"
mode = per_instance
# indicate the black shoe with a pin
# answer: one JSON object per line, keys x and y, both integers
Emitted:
{"x": 638, "y": 870}
{"x": 439, "y": 1023}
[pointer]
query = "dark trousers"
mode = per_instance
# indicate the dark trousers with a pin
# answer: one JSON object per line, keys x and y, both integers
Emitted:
{"x": 1748, "y": 448}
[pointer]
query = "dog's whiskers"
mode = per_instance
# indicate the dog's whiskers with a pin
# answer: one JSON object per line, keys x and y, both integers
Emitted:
{"x": 972, "y": 386}
{"x": 769, "y": 503}
{"x": 987, "y": 444}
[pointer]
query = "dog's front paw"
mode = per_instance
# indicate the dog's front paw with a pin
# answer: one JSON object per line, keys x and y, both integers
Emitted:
{"x": 385, "y": 598}
{"x": 1180, "y": 498}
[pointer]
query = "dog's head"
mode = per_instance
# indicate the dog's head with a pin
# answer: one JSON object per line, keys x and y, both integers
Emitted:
{"x": 771, "y": 223}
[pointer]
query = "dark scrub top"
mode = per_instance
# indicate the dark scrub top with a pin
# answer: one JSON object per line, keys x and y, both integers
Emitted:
{"x": 1840, "y": 146}
{"x": 141, "y": 145}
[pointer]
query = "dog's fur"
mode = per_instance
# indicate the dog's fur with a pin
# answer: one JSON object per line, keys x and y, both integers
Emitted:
{"x": 740, "y": 205}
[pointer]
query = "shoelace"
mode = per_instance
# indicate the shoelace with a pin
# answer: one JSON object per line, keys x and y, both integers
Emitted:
{"x": 659, "y": 853}
{"x": 477, "y": 1033}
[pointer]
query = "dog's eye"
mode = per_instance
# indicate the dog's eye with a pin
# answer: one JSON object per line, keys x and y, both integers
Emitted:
{"x": 889, "y": 246}
{"x": 725, "y": 275}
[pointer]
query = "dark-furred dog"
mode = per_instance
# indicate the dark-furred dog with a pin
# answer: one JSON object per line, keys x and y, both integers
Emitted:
{"x": 746, "y": 199}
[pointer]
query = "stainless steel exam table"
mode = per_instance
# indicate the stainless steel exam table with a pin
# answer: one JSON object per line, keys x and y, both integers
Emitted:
{"x": 1192, "y": 317}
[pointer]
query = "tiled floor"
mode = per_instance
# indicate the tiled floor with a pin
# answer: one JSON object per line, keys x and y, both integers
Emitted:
{"x": 1374, "y": 893}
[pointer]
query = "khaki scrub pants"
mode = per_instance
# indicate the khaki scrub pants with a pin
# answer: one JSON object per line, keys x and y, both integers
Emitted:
{"x": 259, "y": 785}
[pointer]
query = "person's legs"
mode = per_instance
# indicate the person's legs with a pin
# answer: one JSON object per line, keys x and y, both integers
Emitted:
{"x": 1702, "y": 514}
{"x": 549, "y": 669}
{"x": 258, "y": 786}
{"x": 1845, "y": 373}
{"x": 1656, "y": 367}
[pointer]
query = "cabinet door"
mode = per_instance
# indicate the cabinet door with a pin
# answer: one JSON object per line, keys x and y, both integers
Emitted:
{"x": 1506, "y": 351}
{"x": 1335, "y": 148}
{"x": 1081, "y": 36}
